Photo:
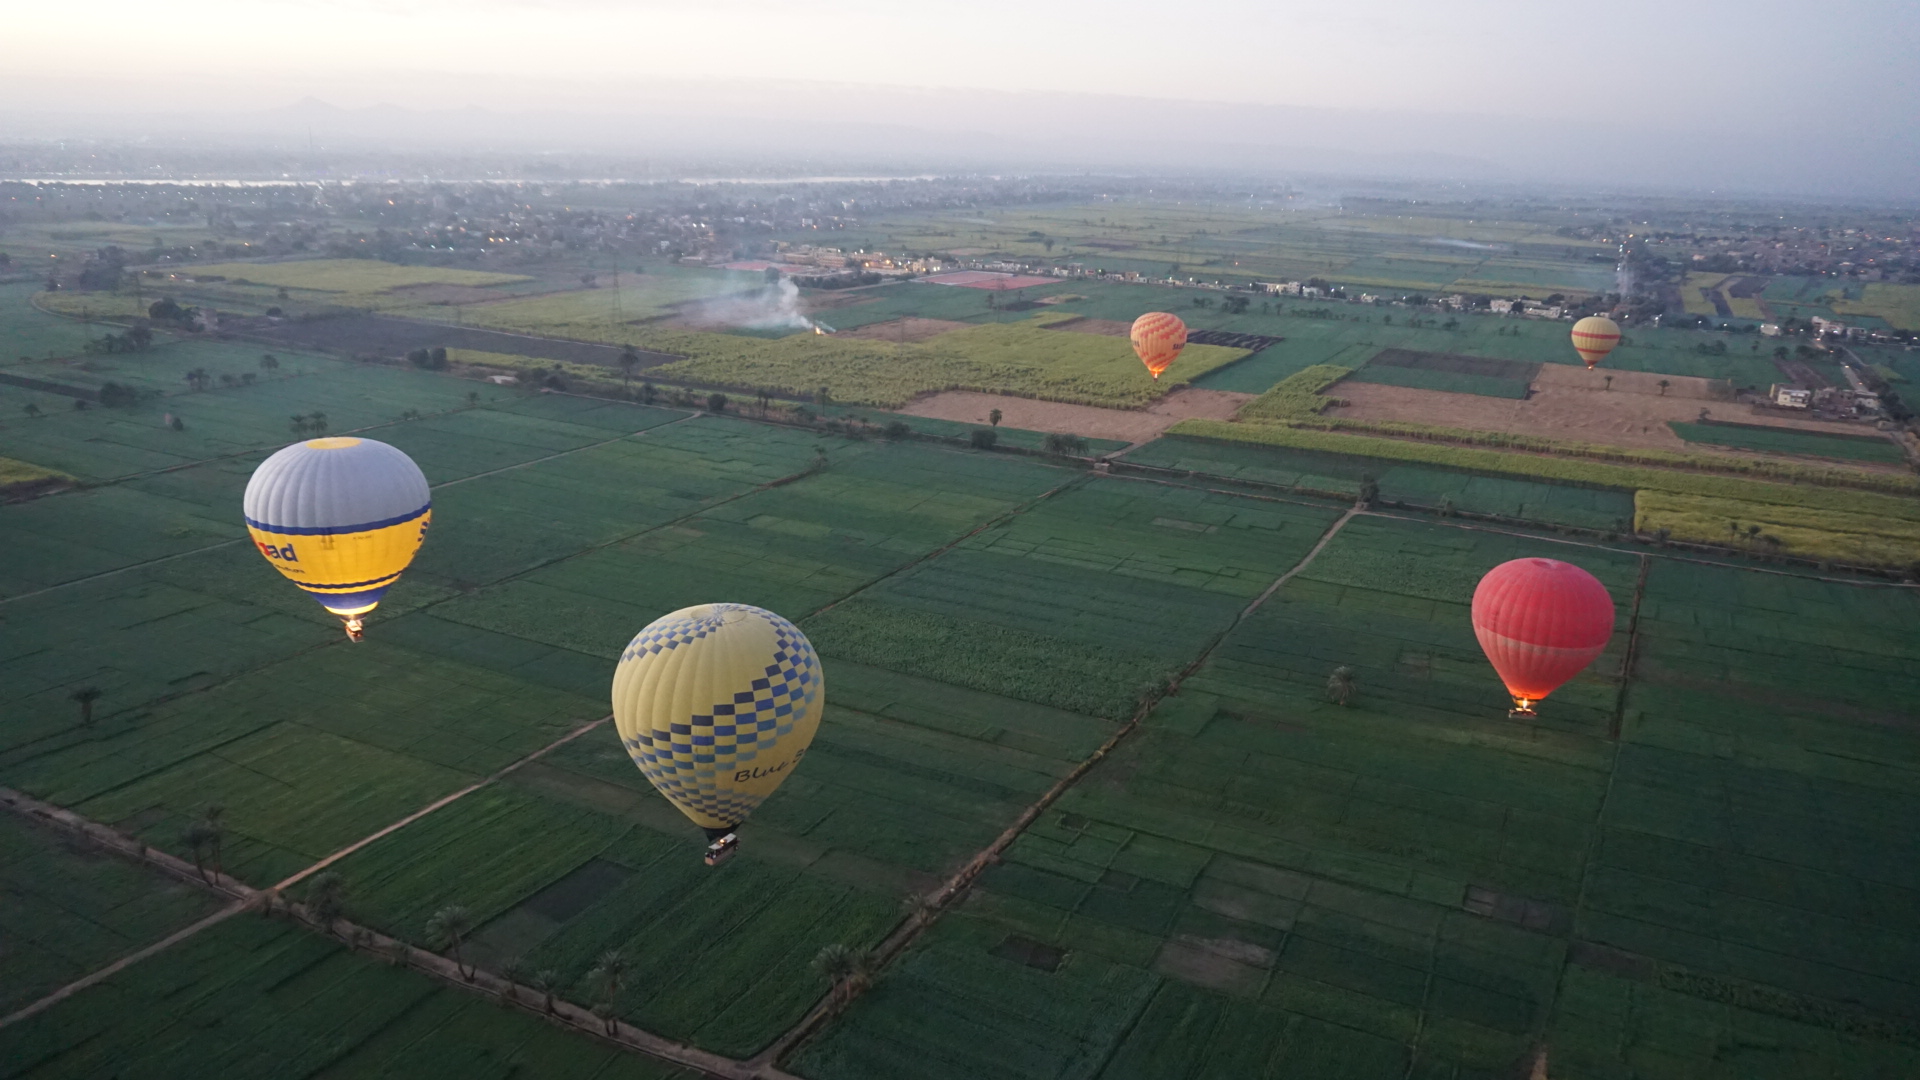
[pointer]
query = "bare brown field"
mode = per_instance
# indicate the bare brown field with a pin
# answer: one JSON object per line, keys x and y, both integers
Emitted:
{"x": 911, "y": 328}
{"x": 1571, "y": 403}
{"x": 1088, "y": 421}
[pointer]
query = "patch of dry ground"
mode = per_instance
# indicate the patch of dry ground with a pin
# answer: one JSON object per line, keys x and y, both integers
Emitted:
{"x": 911, "y": 328}
{"x": 1088, "y": 421}
{"x": 1572, "y": 403}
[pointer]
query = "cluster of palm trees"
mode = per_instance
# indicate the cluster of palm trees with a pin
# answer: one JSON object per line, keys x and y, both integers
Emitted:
{"x": 206, "y": 838}
{"x": 313, "y": 423}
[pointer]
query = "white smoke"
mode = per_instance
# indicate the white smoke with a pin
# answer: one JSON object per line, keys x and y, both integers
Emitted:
{"x": 776, "y": 307}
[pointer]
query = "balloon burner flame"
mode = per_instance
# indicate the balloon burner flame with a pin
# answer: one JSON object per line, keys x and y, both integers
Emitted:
{"x": 1522, "y": 709}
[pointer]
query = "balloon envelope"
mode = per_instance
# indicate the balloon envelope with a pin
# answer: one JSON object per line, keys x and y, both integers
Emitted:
{"x": 716, "y": 704}
{"x": 1541, "y": 622}
{"x": 339, "y": 517}
{"x": 1594, "y": 337}
{"x": 1158, "y": 338}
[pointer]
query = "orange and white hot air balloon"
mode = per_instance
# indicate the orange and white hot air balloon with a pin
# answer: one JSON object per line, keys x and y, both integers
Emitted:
{"x": 1594, "y": 337}
{"x": 1158, "y": 337}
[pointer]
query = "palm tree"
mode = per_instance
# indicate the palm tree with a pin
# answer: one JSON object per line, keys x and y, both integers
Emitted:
{"x": 473, "y": 397}
{"x": 317, "y": 421}
{"x": 1664, "y": 383}
{"x": 269, "y": 362}
{"x": 850, "y": 970}
{"x": 1609, "y": 382}
{"x": 1340, "y": 685}
{"x": 512, "y": 976}
{"x": 546, "y": 980}
{"x": 199, "y": 840}
{"x": 448, "y": 930}
{"x": 32, "y": 409}
{"x": 604, "y": 1010}
{"x": 216, "y": 833}
{"x": 85, "y": 696}
{"x": 326, "y": 895}
{"x": 919, "y": 909}
{"x": 628, "y": 361}
{"x": 994, "y": 418}
{"x": 610, "y": 971}
{"x": 299, "y": 425}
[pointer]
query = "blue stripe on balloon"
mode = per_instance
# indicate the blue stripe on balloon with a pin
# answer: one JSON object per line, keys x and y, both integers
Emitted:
{"x": 337, "y": 530}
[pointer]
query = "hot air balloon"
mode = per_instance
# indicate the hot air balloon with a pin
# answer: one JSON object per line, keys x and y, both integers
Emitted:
{"x": 1158, "y": 337}
{"x": 716, "y": 704}
{"x": 1594, "y": 337}
{"x": 341, "y": 518}
{"x": 1541, "y": 622}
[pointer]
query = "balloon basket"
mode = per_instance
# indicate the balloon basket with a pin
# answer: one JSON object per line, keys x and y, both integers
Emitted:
{"x": 722, "y": 849}
{"x": 356, "y": 629}
{"x": 1522, "y": 710}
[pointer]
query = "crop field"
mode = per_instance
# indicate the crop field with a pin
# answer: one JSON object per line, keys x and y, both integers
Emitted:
{"x": 1449, "y": 372}
{"x": 1693, "y": 863}
{"x": 1021, "y": 359}
{"x": 1899, "y": 305}
{"x": 1869, "y": 539}
{"x": 1772, "y": 440}
{"x": 1420, "y": 485}
{"x": 1412, "y": 885}
{"x": 252, "y": 998}
{"x": 606, "y": 312}
{"x": 349, "y": 275}
{"x": 66, "y": 910}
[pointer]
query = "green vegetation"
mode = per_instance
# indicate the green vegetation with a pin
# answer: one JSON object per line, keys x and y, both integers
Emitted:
{"x": 21, "y": 474}
{"x": 1899, "y": 305}
{"x": 1449, "y": 372}
{"x": 1825, "y": 533}
{"x": 349, "y": 275}
{"x": 71, "y": 908}
{"x": 1774, "y": 440}
{"x": 1427, "y": 485}
{"x": 1297, "y": 395}
{"x": 252, "y": 998}
{"x": 1022, "y": 359}
{"x": 1586, "y": 464}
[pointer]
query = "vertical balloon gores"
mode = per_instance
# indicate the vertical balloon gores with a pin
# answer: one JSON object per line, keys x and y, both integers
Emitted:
{"x": 340, "y": 518}
{"x": 1540, "y": 622}
{"x": 1158, "y": 338}
{"x": 716, "y": 704}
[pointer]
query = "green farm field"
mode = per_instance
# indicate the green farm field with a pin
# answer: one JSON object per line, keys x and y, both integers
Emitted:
{"x": 1781, "y": 441}
{"x": 1695, "y": 862}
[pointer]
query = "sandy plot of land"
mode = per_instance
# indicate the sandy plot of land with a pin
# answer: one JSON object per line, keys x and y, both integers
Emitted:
{"x": 447, "y": 294}
{"x": 1088, "y": 421}
{"x": 1571, "y": 403}
{"x": 911, "y": 328}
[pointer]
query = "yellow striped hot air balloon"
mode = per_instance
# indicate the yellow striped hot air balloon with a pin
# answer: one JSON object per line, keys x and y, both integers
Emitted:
{"x": 716, "y": 704}
{"x": 1158, "y": 337}
{"x": 341, "y": 518}
{"x": 1594, "y": 337}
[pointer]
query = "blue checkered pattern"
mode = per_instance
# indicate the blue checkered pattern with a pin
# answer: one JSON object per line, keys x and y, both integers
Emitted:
{"x": 693, "y": 761}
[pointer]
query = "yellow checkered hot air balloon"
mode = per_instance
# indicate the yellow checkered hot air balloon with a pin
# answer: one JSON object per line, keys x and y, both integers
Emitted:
{"x": 716, "y": 704}
{"x": 1158, "y": 337}
{"x": 341, "y": 518}
{"x": 1594, "y": 337}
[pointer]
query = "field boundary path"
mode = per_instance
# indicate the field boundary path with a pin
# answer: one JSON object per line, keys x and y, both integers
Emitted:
{"x": 764, "y": 1064}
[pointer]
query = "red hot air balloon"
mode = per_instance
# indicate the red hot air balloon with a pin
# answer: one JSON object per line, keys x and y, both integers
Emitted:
{"x": 1541, "y": 622}
{"x": 1158, "y": 337}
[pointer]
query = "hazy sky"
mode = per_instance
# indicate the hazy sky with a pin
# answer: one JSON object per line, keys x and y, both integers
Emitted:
{"x": 1803, "y": 78}
{"x": 1698, "y": 59}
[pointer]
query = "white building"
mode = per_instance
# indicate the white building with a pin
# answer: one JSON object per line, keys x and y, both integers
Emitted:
{"x": 1768, "y": 329}
{"x": 1790, "y": 397}
{"x": 1501, "y": 307}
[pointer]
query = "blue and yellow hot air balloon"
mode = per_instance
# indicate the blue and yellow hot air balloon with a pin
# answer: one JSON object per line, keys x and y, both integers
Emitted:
{"x": 341, "y": 518}
{"x": 716, "y": 704}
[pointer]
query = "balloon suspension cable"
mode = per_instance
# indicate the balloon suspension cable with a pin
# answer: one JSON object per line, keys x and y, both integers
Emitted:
{"x": 1522, "y": 709}
{"x": 356, "y": 627}
{"x": 720, "y": 850}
